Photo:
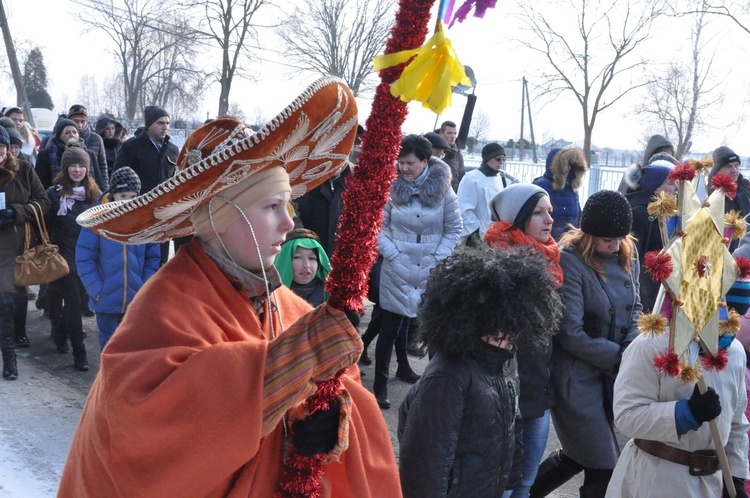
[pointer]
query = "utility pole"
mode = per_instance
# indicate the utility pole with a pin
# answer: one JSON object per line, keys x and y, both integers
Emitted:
{"x": 523, "y": 106}
{"x": 531, "y": 124}
{"x": 15, "y": 70}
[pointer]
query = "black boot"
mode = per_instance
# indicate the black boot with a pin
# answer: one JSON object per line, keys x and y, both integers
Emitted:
{"x": 406, "y": 374}
{"x": 7, "y": 346}
{"x": 594, "y": 489}
{"x": 554, "y": 471}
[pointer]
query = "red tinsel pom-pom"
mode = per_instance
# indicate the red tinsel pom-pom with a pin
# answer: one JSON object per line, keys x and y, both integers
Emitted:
{"x": 715, "y": 363}
{"x": 668, "y": 363}
{"x": 744, "y": 266}
{"x": 682, "y": 171}
{"x": 658, "y": 265}
{"x": 726, "y": 182}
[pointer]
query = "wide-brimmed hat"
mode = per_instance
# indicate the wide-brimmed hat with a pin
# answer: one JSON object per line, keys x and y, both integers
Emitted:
{"x": 311, "y": 139}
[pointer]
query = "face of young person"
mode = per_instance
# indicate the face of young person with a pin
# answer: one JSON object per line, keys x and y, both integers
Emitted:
{"x": 109, "y": 130}
{"x": 17, "y": 118}
{"x": 159, "y": 129}
{"x": 270, "y": 221}
{"x": 304, "y": 265}
{"x": 69, "y": 132}
{"x": 731, "y": 169}
{"x": 607, "y": 245}
{"x": 539, "y": 226}
{"x": 124, "y": 196}
{"x": 80, "y": 121}
{"x": 77, "y": 173}
{"x": 411, "y": 166}
{"x": 667, "y": 186}
{"x": 15, "y": 150}
{"x": 449, "y": 133}
{"x": 496, "y": 162}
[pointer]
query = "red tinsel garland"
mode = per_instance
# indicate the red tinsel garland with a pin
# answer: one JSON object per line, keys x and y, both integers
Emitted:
{"x": 658, "y": 265}
{"x": 743, "y": 264}
{"x": 725, "y": 181}
{"x": 717, "y": 362}
{"x": 668, "y": 363}
{"x": 682, "y": 171}
{"x": 366, "y": 194}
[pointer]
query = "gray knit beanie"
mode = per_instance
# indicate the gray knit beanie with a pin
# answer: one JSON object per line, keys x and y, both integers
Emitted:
{"x": 722, "y": 156}
{"x": 124, "y": 180}
{"x": 655, "y": 143}
{"x": 507, "y": 203}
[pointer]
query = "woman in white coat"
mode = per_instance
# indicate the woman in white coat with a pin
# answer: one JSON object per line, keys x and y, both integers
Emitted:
{"x": 421, "y": 226}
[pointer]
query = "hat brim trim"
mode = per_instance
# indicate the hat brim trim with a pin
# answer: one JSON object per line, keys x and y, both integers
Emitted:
{"x": 309, "y": 153}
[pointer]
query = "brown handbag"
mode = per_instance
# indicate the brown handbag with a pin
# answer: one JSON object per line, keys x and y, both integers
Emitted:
{"x": 42, "y": 263}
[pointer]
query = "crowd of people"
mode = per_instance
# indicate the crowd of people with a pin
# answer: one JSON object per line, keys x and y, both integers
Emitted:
{"x": 527, "y": 303}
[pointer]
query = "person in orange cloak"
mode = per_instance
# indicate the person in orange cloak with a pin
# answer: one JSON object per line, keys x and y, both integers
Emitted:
{"x": 201, "y": 390}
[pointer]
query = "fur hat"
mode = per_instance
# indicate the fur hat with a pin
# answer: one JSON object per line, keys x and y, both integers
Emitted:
{"x": 477, "y": 292}
{"x": 78, "y": 110}
{"x": 4, "y": 137}
{"x": 311, "y": 139}
{"x": 492, "y": 150}
{"x": 649, "y": 177}
{"x": 124, "y": 180}
{"x": 510, "y": 201}
{"x": 60, "y": 126}
{"x": 567, "y": 167}
{"x": 74, "y": 153}
{"x": 607, "y": 213}
{"x": 151, "y": 113}
{"x": 722, "y": 156}
{"x": 436, "y": 140}
{"x": 655, "y": 143}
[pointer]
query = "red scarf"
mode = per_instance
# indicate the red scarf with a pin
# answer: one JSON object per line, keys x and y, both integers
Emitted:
{"x": 503, "y": 234}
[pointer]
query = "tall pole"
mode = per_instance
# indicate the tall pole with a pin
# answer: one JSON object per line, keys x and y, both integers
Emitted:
{"x": 531, "y": 124}
{"x": 15, "y": 70}
{"x": 523, "y": 99}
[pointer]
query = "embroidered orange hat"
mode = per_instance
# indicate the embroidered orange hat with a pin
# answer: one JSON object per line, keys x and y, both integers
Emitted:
{"x": 311, "y": 139}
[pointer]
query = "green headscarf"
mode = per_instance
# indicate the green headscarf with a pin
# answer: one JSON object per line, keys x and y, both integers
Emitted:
{"x": 283, "y": 260}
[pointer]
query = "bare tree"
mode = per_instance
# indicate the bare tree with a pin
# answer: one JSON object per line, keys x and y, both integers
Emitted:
{"x": 88, "y": 93}
{"x": 141, "y": 37}
{"x": 339, "y": 38}
{"x": 230, "y": 27}
{"x": 677, "y": 98}
{"x": 589, "y": 44}
{"x": 480, "y": 125}
{"x": 235, "y": 111}
{"x": 111, "y": 97}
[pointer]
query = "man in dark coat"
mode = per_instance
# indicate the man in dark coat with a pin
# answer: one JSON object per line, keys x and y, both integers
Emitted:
{"x": 453, "y": 158}
{"x": 80, "y": 116}
{"x": 151, "y": 155}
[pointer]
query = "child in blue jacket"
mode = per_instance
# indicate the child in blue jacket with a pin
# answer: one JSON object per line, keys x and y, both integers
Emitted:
{"x": 113, "y": 272}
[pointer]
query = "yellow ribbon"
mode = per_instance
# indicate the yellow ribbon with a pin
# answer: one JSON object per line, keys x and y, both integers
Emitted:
{"x": 428, "y": 78}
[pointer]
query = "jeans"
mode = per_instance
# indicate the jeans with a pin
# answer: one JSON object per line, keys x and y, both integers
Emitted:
{"x": 535, "y": 432}
{"x": 107, "y": 323}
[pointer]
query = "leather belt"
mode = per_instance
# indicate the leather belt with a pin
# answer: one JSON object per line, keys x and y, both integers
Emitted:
{"x": 700, "y": 462}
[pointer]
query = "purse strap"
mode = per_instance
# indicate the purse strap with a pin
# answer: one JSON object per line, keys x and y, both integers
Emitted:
{"x": 36, "y": 208}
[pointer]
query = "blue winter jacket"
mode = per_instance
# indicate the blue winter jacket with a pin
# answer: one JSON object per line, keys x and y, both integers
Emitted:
{"x": 113, "y": 272}
{"x": 563, "y": 176}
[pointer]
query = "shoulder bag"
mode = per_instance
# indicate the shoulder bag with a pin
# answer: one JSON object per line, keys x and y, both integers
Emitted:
{"x": 42, "y": 263}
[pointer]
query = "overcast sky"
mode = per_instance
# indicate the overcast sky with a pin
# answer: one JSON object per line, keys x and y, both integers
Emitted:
{"x": 487, "y": 45}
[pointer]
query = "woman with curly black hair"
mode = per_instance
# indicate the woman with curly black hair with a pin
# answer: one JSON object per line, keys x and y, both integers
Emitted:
{"x": 457, "y": 430}
{"x": 602, "y": 306}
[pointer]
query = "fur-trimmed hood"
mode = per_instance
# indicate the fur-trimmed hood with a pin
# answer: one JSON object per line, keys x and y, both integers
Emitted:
{"x": 633, "y": 175}
{"x": 431, "y": 191}
{"x": 8, "y": 170}
{"x": 567, "y": 166}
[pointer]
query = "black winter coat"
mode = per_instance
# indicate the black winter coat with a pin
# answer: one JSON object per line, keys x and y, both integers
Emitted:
{"x": 320, "y": 209}
{"x": 153, "y": 166}
{"x": 47, "y": 172}
{"x": 455, "y": 161}
{"x": 95, "y": 144}
{"x": 457, "y": 431}
{"x": 646, "y": 230}
{"x": 63, "y": 230}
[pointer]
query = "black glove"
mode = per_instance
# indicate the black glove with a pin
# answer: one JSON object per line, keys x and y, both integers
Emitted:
{"x": 317, "y": 433}
{"x": 353, "y": 317}
{"x": 706, "y": 406}
{"x": 739, "y": 486}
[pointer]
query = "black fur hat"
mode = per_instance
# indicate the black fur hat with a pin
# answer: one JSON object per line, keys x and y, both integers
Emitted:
{"x": 478, "y": 292}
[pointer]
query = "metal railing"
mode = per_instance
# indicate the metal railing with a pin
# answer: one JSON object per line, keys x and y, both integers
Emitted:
{"x": 598, "y": 177}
